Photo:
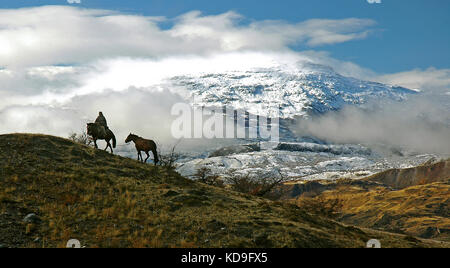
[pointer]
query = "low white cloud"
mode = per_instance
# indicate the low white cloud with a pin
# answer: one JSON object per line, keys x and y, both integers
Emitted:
{"x": 74, "y": 1}
{"x": 421, "y": 124}
{"x": 431, "y": 79}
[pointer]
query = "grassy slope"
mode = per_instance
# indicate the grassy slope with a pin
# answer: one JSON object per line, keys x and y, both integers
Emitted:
{"x": 110, "y": 201}
{"x": 418, "y": 210}
{"x": 414, "y": 201}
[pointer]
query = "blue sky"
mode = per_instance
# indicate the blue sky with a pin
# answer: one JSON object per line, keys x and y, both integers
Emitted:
{"x": 408, "y": 34}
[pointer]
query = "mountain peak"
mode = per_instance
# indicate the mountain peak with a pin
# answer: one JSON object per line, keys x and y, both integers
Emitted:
{"x": 299, "y": 89}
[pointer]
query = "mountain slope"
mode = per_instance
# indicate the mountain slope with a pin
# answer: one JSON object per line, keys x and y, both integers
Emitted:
{"x": 424, "y": 174}
{"x": 414, "y": 201}
{"x": 299, "y": 90}
{"x": 109, "y": 201}
{"x": 421, "y": 210}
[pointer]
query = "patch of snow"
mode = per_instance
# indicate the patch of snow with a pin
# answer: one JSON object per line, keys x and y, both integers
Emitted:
{"x": 300, "y": 165}
{"x": 290, "y": 164}
{"x": 345, "y": 164}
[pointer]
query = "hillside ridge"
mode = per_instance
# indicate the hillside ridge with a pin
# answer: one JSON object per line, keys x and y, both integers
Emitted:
{"x": 103, "y": 200}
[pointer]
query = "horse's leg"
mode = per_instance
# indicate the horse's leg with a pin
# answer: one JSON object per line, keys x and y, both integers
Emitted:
{"x": 107, "y": 145}
{"x": 110, "y": 147}
{"x": 140, "y": 156}
{"x": 95, "y": 143}
{"x": 148, "y": 155}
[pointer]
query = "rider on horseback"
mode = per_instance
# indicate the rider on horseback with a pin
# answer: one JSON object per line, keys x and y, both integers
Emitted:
{"x": 101, "y": 120}
{"x": 100, "y": 131}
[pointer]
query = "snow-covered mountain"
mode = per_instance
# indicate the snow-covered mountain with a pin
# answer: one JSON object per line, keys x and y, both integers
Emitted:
{"x": 299, "y": 90}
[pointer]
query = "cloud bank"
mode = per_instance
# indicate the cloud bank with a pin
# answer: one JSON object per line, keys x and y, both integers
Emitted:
{"x": 419, "y": 125}
{"x": 52, "y": 35}
{"x": 422, "y": 123}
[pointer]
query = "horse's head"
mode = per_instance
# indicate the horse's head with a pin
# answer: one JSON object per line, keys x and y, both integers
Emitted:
{"x": 130, "y": 138}
{"x": 90, "y": 127}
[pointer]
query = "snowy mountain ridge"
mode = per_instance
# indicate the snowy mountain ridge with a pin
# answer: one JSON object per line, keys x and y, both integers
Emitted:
{"x": 302, "y": 89}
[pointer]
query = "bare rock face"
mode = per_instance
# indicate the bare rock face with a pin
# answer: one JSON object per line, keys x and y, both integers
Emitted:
{"x": 403, "y": 178}
{"x": 237, "y": 149}
{"x": 347, "y": 149}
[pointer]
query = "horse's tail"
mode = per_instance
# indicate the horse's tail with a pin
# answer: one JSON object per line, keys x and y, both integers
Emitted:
{"x": 155, "y": 153}
{"x": 114, "y": 140}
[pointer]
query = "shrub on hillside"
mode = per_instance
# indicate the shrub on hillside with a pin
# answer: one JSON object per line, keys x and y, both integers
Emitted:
{"x": 268, "y": 187}
{"x": 81, "y": 138}
{"x": 169, "y": 159}
{"x": 206, "y": 176}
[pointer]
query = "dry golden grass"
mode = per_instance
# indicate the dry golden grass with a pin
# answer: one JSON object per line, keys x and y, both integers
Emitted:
{"x": 422, "y": 210}
{"x": 110, "y": 201}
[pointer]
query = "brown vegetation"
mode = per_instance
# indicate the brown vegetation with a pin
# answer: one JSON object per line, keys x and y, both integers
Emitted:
{"x": 413, "y": 201}
{"x": 105, "y": 200}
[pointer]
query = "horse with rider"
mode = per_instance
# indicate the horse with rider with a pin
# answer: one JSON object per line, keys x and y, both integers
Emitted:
{"x": 99, "y": 130}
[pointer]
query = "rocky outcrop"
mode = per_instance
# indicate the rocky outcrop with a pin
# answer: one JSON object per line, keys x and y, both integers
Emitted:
{"x": 424, "y": 174}
{"x": 236, "y": 149}
{"x": 321, "y": 148}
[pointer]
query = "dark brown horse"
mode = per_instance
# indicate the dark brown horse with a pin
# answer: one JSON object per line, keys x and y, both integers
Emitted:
{"x": 143, "y": 145}
{"x": 99, "y": 132}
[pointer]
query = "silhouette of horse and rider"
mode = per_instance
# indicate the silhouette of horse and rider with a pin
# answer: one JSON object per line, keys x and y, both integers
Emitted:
{"x": 99, "y": 130}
